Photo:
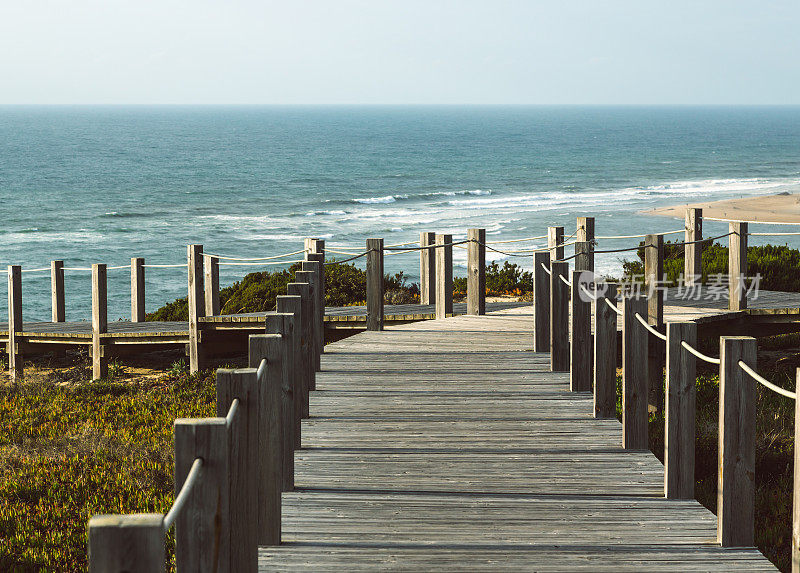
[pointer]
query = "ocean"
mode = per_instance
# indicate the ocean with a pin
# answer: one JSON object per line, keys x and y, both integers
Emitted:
{"x": 103, "y": 184}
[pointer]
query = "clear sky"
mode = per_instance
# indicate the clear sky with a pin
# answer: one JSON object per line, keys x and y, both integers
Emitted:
{"x": 400, "y": 52}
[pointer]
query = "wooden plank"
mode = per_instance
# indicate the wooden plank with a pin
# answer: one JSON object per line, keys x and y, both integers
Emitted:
{"x": 737, "y": 449}
{"x": 196, "y": 304}
{"x": 584, "y": 246}
{"x": 427, "y": 268}
{"x": 605, "y": 352}
{"x": 737, "y": 266}
{"x": 476, "y": 271}
{"x": 559, "y": 318}
{"x": 679, "y": 435}
{"x": 580, "y": 362}
{"x": 555, "y": 237}
{"x": 444, "y": 276}
{"x": 541, "y": 302}
{"x": 99, "y": 320}
{"x": 211, "y": 285}
{"x": 137, "y": 290}
{"x": 133, "y": 543}
{"x": 13, "y": 347}
{"x": 796, "y": 484}
{"x": 293, "y": 305}
{"x": 57, "y": 300}
{"x": 634, "y": 374}
{"x": 375, "y": 284}
{"x": 303, "y": 288}
{"x": 693, "y": 254}
{"x": 314, "y": 268}
{"x": 283, "y": 324}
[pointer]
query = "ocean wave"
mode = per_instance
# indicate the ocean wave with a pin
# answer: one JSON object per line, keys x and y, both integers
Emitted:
{"x": 399, "y": 197}
{"x": 336, "y": 212}
{"x": 380, "y": 200}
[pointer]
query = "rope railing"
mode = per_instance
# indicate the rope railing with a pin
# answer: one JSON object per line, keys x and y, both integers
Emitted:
{"x": 700, "y": 355}
{"x": 525, "y": 240}
{"x": 613, "y": 306}
{"x": 587, "y": 293}
{"x": 649, "y": 328}
{"x": 35, "y": 270}
{"x": 723, "y": 220}
{"x": 186, "y": 489}
{"x": 262, "y": 369}
{"x": 354, "y": 257}
{"x": 227, "y": 258}
{"x": 548, "y": 271}
{"x": 761, "y": 380}
{"x": 774, "y": 234}
{"x": 164, "y": 266}
{"x": 639, "y": 236}
{"x": 565, "y": 280}
{"x": 259, "y": 264}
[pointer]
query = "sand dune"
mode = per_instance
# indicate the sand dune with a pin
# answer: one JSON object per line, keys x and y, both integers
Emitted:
{"x": 780, "y": 208}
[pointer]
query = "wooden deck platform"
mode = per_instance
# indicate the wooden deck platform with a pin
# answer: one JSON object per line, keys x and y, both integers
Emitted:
{"x": 448, "y": 445}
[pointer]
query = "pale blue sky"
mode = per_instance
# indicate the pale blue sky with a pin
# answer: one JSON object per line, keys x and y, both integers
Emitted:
{"x": 400, "y": 52}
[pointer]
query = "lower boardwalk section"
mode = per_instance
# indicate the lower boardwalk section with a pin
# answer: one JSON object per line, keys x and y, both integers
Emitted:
{"x": 447, "y": 445}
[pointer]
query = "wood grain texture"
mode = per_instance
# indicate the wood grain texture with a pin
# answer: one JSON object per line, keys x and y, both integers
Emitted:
{"x": 283, "y": 325}
{"x": 796, "y": 484}
{"x": 679, "y": 435}
{"x": 132, "y": 543}
{"x": 580, "y": 347}
{"x": 693, "y": 254}
{"x": 137, "y": 290}
{"x": 476, "y": 271}
{"x": 555, "y": 237}
{"x": 444, "y": 276}
{"x": 634, "y": 374}
{"x": 559, "y": 318}
{"x": 99, "y": 320}
{"x": 375, "y": 284}
{"x": 57, "y": 301}
{"x": 316, "y": 264}
{"x": 584, "y": 247}
{"x": 211, "y": 285}
{"x": 737, "y": 266}
{"x": 196, "y": 304}
{"x": 14, "y": 326}
{"x": 303, "y": 289}
{"x": 293, "y": 305}
{"x": 605, "y": 353}
{"x": 427, "y": 268}
{"x": 653, "y": 276}
{"x": 541, "y": 302}
{"x": 737, "y": 443}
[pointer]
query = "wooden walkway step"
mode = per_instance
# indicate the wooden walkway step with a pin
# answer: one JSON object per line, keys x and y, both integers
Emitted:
{"x": 447, "y": 445}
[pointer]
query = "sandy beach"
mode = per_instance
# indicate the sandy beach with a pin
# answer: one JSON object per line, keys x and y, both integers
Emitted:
{"x": 779, "y": 208}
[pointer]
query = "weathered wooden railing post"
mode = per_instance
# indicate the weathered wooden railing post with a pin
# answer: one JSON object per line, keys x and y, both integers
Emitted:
{"x": 137, "y": 290}
{"x": 14, "y": 346}
{"x": 605, "y": 352}
{"x": 693, "y": 254}
{"x": 584, "y": 247}
{"x": 316, "y": 253}
{"x": 654, "y": 276}
{"x": 427, "y": 268}
{"x": 444, "y": 275}
{"x": 303, "y": 290}
{"x": 201, "y": 540}
{"x": 292, "y": 304}
{"x": 796, "y": 483}
{"x": 270, "y": 467}
{"x": 580, "y": 362}
{"x": 737, "y": 444}
{"x": 541, "y": 302}
{"x": 555, "y": 242}
{"x": 679, "y": 435}
{"x": 311, "y": 279}
{"x": 737, "y": 266}
{"x": 375, "y": 284}
{"x": 196, "y": 305}
{"x": 283, "y": 324}
{"x": 131, "y": 543}
{"x": 211, "y": 284}
{"x": 559, "y": 318}
{"x": 58, "y": 305}
{"x": 99, "y": 320}
{"x": 314, "y": 276}
{"x": 476, "y": 271}
{"x": 634, "y": 374}
{"x": 243, "y": 454}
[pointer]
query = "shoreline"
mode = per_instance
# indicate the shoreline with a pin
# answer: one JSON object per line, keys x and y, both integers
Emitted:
{"x": 780, "y": 208}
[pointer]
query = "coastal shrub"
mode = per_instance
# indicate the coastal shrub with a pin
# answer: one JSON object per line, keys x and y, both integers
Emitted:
{"x": 778, "y": 265}
{"x": 510, "y": 279}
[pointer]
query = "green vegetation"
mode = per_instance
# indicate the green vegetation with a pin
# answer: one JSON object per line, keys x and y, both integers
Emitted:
{"x": 770, "y": 261}
{"x": 70, "y": 448}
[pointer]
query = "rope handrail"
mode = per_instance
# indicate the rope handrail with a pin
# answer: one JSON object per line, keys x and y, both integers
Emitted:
{"x": 404, "y": 244}
{"x": 527, "y": 251}
{"x": 586, "y": 292}
{"x": 35, "y": 270}
{"x": 262, "y": 368}
{"x": 226, "y": 258}
{"x": 774, "y": 234}
{"x": 347, "y": 260}
{"x": 723, "y": 220}
{"x": 639, "y": 236}
{"x": 565, "y": 280}
{"x": 699, "y": 354}
{"x": 613, "y": 306}
{"x": 400, "y": 252}
{"x": 232, "y": 412}
{"x": 548, "y": 271}
{"x": 183, "y": 495}
{"x": 433, "y": 246}
{"x": 260, "y": 264}
{"x": 761, "y": 380}
{"x": 118, "y": 267}
{"x": 81, "y": 269}
{"x": 649, "y": 328}
{"x": 517, "y": 240}
{"x": 172, "y": 266}
{"x": 338, "y": 252}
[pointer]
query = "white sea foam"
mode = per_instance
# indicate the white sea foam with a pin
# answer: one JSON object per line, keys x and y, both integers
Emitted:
{"x": 380, "y": 200}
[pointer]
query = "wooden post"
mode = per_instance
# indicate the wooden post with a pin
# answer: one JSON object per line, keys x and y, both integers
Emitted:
{"x": 13, "y": 347}
{"x": 796, "y": 488}
{"x": 605, "y": 353}
{"x": 580, "y": 363}
{"x": 444, "y": 276}
{"x": 654, "y": 275}
{"x": 555, "y": 236}
{"x": 559, "y": 318}
{"x": 737, "y": 266}
{"x": 319, "y": 257}
{"x": 99, "y": 320}
{"x": 693, "y": 254}
{"x": 634, "y": 374}
{"x": 680, "y": 412}
{"x": 737, "y": 445}
{"x": 427, "y": 269}
{"x": 211, "y": 284}
{"x": 584, "y": 247}
{"x": 201, "y": 540}
{"x": 375, "y": 284}
{"x": 196, "y": 305}
{"x": 283, "y": 324}
{"x": 243, "y": 453}
{"x": 293, "y": 305}
{"x": 137, "y": 290}
{"x": 476, "y": 271}
{"x": 57, "y": 300}
{"x": 132, "y": 543}
{"x": 541, "y": 302}
{"x": 270, "y": 469}
{"x": 303, "y": 290}
{"x": 313, "y": 268}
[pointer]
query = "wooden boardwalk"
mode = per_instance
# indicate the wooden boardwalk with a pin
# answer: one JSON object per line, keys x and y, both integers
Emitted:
{"x": 448, "y": 445}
